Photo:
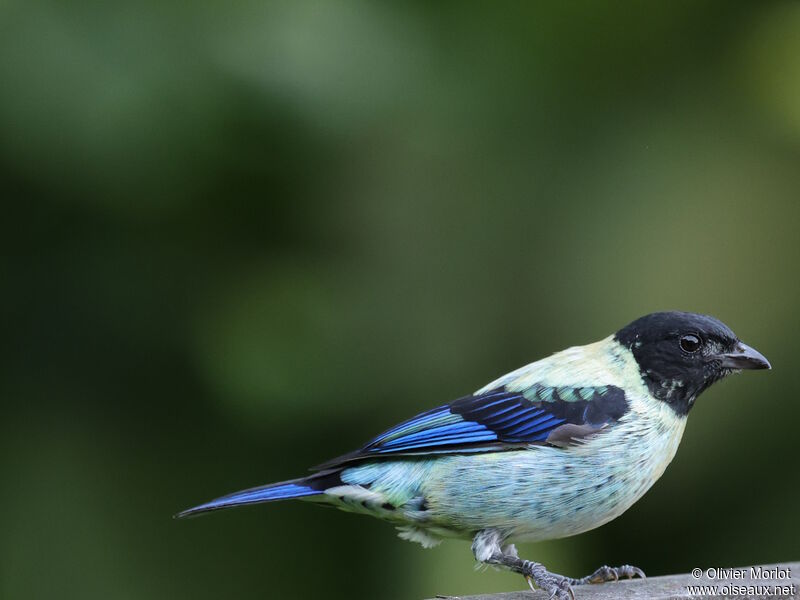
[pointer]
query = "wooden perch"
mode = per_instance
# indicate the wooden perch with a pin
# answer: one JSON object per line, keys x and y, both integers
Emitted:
{"x": 771, "y": 581}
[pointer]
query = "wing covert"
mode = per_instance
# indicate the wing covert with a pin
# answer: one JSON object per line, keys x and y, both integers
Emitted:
{"x": 501, "y": 419}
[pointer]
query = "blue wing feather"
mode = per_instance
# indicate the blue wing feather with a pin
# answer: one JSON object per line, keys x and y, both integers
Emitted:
{"x": 498, "y": 419}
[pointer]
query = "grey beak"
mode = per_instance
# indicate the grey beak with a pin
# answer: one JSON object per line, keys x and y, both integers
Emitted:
{"x": 745, "y": 357}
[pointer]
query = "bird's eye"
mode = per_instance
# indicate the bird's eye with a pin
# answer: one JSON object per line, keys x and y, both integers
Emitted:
{"x": 690, "y": 343}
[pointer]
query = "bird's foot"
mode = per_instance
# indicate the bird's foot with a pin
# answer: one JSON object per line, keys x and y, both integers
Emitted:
{"x": 487, "y": 547}
{"x": 556, "y": 586}
{"x": 606, "y": 573}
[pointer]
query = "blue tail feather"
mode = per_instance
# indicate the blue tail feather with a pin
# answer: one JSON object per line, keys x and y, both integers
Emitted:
{"x": 266, "y": 493}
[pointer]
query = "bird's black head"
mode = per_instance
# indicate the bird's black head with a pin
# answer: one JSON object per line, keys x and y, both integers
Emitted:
{"x": 681, "y": 354}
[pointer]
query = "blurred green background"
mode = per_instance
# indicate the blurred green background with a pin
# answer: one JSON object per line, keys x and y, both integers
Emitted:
{"x": 240, "y": 239}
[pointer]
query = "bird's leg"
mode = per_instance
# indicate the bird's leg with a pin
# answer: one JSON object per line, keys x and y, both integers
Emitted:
{"x": 487, "y": 549}
{"x": 606, "y": 573}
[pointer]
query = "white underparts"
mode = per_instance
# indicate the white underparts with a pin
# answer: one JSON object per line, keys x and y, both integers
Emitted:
{"x": 415, "y": 534}
{"x": 486, "y": 543}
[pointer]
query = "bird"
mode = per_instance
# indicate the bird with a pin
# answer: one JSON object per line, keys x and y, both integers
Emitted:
{"x": 553, "y": 449}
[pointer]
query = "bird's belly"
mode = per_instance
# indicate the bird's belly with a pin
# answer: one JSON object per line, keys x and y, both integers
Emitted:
{"x": 544, "y": 492}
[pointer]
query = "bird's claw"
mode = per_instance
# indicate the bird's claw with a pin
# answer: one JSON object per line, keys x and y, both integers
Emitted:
{"x": 629, "y": 571}
{"x": 634, "y": 572}
{"x": 558, "y": 586}
{"x": 561, "y": 591}
{"x": 606, "y": 573}
{"x": 603, "y": 574}
{"x": 562, "y": 587}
